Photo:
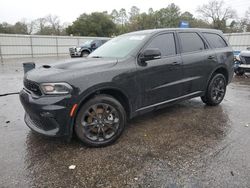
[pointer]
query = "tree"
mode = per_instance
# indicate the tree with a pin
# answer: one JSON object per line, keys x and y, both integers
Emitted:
{"x": 134, "y": 11}
{"x": 150, "y": 11}
{"x": 5, "y": 28}
{"x": 168, "y": 17}
{"x": 193, "y": 22}
{"x": 115, "y": 16}
{"x": 217, "y": 12}
{"x": 17, "y": 28}
{"x": 40, "y": 26}
{"x": 20, "y": 28}
{"x": 54, "y": 23}
{"x": 245, "y": 22}
{"x": 94, "y": 24}
{"x": 123, "y": 16}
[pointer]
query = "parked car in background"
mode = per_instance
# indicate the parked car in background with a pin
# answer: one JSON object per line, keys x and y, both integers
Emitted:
{"x": 129, "y": 75}
{"x": 242, "y": 62}
{"x": 86, "y": 48}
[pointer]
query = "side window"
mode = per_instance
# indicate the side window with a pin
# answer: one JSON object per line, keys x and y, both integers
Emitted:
{"x": 103, "y": 41}
{"x": 165, "y": 43}
{"x": 191, "y": 42}
{"x": 98, "y": 43}
{"x": 216, "y": 41}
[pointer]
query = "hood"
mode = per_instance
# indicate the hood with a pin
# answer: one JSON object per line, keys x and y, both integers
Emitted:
{"x": 59, "y": 71}
{"x": 83, "y": 63}
{"x": 245, "y": 53}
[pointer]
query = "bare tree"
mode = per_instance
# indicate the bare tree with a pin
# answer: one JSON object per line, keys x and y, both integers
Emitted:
{"x": 217, "y": 12}
{"x": 54, "y": 23}
{"x": 115, "y": 16}
{"x": 246, "y": 21}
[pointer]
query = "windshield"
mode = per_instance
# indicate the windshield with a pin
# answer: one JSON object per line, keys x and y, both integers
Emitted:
{"x": 87, "y": 43}
{"x": 119, "y": 47}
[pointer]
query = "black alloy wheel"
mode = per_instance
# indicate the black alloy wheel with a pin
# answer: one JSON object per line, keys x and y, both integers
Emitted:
{"x": 100, "y": 121}
{"x": 216, "y": 90}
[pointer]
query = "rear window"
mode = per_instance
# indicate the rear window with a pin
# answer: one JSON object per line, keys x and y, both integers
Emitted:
{"x": 191, "y": 42}
{"x": 216, "y": 41}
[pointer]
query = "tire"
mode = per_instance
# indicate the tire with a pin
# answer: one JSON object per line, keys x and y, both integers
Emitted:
{"x": 239, "y": 72}
{"x": 100, "y": 121}
{"x": 84, "y": 53}
{"x": 216, "y": 90}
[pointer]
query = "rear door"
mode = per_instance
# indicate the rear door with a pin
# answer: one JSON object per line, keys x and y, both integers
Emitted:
{"x": 159, "y": 78}
{"x": 197, "y": 62}
{"x": 224, "y": 52}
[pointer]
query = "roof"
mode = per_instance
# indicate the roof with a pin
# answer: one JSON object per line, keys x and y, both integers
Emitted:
{"x": 151, "y": 31}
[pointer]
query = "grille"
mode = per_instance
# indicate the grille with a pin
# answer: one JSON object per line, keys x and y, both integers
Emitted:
{"x": 32, "y": 86}
{"x": 246, "y": 60}
{"x": 72, "y": 50}
{"x": 45, "y": 125}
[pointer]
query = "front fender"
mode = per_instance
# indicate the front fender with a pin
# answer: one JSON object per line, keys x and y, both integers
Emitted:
{"x": 84, "y": 96}
{"x": 85, "y": 49}
{"x": 94, "y": 89}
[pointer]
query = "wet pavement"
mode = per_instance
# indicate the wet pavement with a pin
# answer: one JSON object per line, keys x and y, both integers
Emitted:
{"x": 185, "y": 145}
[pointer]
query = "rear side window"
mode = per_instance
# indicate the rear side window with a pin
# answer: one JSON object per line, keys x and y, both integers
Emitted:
{"x": 165, "y": 43}
{"x": 216, "y": 41}
{"x": 191, "y": 42}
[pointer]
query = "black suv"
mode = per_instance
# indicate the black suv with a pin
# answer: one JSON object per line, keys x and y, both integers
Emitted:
{"x": 129, "y": 75}
{"x": 86, "y": 48}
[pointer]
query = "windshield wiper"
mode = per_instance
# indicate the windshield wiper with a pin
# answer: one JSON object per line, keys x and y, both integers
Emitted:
{"x": 96, "y": 56}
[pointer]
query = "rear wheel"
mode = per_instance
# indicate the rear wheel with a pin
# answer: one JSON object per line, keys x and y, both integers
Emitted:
{"x": 216, "y": 90}
{"x": 100, "y": 121}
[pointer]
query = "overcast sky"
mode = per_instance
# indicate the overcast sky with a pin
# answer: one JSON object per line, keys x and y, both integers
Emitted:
{"x": 12, "y": 11}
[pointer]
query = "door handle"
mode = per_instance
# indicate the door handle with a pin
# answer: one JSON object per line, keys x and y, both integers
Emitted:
{"x": 211, "y": 57}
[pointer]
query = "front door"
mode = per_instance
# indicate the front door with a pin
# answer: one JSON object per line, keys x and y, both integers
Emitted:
{"x": 159, "y": 79}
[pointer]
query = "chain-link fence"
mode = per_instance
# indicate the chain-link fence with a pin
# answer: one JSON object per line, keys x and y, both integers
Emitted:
{"x": 239, "y": 41}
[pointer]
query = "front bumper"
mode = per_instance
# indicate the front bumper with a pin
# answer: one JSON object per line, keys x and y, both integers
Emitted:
{"x": 238, "y": 66}
{"x": 47, "y": 115}
{"x": 75, "y": 54}
{"x": 245, "y": 67}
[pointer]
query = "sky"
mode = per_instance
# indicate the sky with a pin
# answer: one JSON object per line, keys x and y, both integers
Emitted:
{"x": 12, "y": 11}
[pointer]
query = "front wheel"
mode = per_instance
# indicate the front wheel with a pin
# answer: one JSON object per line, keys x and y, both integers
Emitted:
{"x": 84, "y": 53}
{"x": 100, "y": 121}
{"x": 216, "y": 90}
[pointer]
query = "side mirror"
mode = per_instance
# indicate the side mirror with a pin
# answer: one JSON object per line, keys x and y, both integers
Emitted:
{"x": 149, "y": 54}
{"x": 248, "y": 48}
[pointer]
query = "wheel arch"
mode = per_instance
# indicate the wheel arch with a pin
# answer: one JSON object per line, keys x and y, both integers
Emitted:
{"x": 222, "y": 70}
{"x": 85, "y": 50}
{"x": 114, "y": 92}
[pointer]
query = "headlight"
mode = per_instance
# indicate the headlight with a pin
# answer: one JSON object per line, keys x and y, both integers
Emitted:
{"x": 237, "y": 57}
{"x": 56, "y": 88}
{"x": 78, "y": 49}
